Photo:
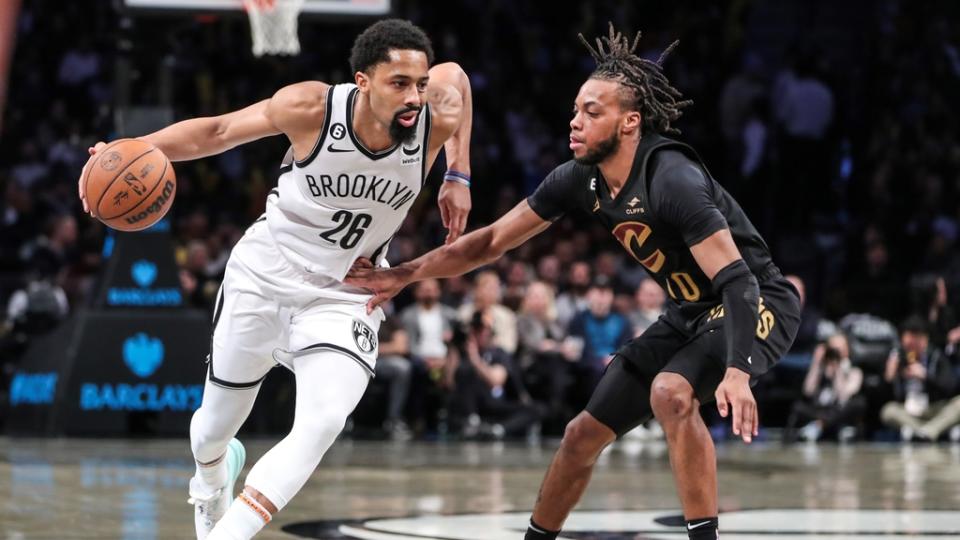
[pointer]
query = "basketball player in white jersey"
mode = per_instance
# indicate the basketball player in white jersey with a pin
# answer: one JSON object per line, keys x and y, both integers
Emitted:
{"x": 359, "y": 155}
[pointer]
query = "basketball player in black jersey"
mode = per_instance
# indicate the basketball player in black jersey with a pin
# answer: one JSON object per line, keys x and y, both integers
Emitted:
{"x": 732, "y": 314}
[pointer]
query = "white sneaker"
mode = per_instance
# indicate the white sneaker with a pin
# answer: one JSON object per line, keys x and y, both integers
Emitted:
{"x": 906, "y": 434}
{"x": 954, "y": 435}
{"x": 810, "y": 432}
{"x": 209, "y": 506}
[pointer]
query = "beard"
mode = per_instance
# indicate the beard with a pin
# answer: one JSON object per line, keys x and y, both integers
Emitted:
{"x": 603, "y": 150}
{"x": 401, "y": 133}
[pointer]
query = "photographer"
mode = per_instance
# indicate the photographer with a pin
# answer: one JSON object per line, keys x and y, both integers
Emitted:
{"x": 831, "y": 404}
{"x": 490, "y": 399}
{"x": 925, "y": 403}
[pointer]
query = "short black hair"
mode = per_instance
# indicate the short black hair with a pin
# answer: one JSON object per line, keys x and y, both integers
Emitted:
{"x": 373, "y": 45}
{"x": 915, "y": 324}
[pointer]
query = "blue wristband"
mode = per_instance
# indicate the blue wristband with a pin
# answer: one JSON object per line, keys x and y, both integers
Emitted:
{"x": 457, "y": 176}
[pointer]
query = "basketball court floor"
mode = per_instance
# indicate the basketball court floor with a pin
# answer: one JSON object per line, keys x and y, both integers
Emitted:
{"x": 124, "y": 489}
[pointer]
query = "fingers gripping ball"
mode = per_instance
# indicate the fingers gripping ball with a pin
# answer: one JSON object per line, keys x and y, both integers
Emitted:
{"x": 130, "y": 185}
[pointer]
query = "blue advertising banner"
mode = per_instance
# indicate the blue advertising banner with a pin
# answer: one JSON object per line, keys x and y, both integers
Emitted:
{"x": 113, "y": 372}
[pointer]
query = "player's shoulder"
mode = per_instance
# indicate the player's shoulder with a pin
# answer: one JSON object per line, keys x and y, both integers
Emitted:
{"x": 299, "y": 107}
{"x": 571, "y": 174}
{"x": 301, "y": 95}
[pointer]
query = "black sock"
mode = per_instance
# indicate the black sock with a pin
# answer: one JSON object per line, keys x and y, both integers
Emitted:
{"x": 703, "y": 528}
{"x": 536, "y": 532}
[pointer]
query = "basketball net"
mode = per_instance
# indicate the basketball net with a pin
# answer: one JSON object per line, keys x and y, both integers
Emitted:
{"x": 273, "y": 24}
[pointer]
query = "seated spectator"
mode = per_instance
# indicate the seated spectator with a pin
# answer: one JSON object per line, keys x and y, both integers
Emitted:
{"x": 487, "y": 300}
{"x": 925, "y": 402}
{"x": 831, "y": 405}
{"x": 393, "y": 366}
{"x": 574, "y": 299}
{"x": 650, "y": 299}
{"x": 429, "y": 326}
{"x": 540, "y": 352}
{"x": 490, "y": 399}
{"x": 599, "y": 332}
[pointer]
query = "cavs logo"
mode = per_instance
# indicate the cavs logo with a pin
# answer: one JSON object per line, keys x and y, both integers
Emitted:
{"x": 633, "y": 234}
{"x": 364, "y": 337}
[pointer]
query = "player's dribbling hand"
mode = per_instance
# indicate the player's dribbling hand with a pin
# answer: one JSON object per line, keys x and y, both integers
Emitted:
{"x": 80, "y": 187}
{"x": 454, "y": 201}
{"x": 385, "y": 283}
{"x": 734, "y": 393}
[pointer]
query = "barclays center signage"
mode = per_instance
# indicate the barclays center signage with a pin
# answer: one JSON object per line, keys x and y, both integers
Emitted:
{"x": 145, "y": 293}
{"x": 142, "y": 355}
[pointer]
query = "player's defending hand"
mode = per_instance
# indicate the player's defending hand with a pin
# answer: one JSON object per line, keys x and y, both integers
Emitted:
{"x": 734, "y": 393}
{"x": 80, "y": 187}
{"x": 385, "y": 283}
{"x": 454, "y": 200}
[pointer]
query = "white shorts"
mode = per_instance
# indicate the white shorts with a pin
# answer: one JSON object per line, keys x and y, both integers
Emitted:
{"x": 268, "y": 312}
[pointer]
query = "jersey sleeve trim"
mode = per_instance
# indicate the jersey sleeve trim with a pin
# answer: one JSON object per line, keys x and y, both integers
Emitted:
{"x": 426, "y": 143}
{"x": 542, "y": 213}
{"x": 327, "y": 113}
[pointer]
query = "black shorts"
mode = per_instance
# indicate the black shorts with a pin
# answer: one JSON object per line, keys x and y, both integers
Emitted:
{"x": 694, "y": 349}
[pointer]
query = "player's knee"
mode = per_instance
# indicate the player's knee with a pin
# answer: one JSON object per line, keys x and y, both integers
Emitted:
{"x": 321, "y": 428}
{"x": 206, "y": 436}
{"x": 584, "y": 438}
{"x": 671, "y": 398}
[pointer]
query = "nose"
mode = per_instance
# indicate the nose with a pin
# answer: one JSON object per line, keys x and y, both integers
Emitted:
{"x": 412, "y": 97}
{"x": 575, "y": 122}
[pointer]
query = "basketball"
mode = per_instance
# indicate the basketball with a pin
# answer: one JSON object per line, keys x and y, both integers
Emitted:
{"x": 130, "y": 184}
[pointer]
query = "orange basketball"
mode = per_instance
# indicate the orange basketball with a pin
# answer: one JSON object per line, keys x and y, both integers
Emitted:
{"x": 130, "y": 184}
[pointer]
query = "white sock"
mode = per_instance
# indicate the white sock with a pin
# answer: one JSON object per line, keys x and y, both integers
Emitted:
{"x": 242, "y": 521}
{"x": 213, "y": 476}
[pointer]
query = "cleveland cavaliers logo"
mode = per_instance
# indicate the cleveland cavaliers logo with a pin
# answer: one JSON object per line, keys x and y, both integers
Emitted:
{"x": 364, "y": 337}
{"x": 632, "y": 234}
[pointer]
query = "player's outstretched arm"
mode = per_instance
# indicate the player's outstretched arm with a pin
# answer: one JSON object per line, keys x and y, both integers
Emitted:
{"x": 718, "y": 257}
{"x": 293, "y": 110}
{"x": 451, "y": 100}
{"x": 470, "y": 251}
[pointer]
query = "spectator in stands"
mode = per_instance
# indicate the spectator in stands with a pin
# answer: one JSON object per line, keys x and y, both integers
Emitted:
{"x": 649, "y": 306}
{"x": 831, "y": 405}
{"x": 490, "y": 395}
{"x": 925, "y": 402}
{"x": 393, "y": 366}
{"x": 199, "y": 285}
{"x": 541, "y": 349}
{"x": 429, "y": 326}
{"x": 486, "y": 300}
{"x": 574, "y": 299}
{"x": 600, "y": 331}
{"x": 929, "y": 292}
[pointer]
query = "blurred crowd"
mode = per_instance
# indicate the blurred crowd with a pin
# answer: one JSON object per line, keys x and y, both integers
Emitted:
{"x": 830, "y": 122}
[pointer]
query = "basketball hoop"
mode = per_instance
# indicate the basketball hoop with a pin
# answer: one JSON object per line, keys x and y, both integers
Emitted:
{"x": 273, "y": 24}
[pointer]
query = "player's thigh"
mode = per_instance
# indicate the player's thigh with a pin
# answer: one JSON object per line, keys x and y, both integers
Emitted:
{"x": 702, "y": 361}
{"x": 621, "y": 400}
{"x": 344, "y": 328}
{"x": 247, "y": 328}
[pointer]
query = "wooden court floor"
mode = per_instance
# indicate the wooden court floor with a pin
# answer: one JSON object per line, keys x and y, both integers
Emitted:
{"x": 122, "y": 489}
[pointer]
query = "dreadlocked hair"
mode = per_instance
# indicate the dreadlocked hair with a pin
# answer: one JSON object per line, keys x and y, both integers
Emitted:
{"x": 658, "y": 102}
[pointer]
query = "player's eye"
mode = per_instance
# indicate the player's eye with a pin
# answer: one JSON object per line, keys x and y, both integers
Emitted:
{"x": 422, "y": 87}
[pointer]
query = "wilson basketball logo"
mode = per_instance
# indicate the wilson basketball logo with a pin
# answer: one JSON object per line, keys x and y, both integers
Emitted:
{"x": 364, "y": 336}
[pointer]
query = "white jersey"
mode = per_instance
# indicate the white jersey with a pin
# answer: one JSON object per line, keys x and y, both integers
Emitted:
{"x": 344, "y": 201}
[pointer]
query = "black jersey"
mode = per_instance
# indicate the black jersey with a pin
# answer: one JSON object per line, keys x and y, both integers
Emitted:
{"x": 669, "y": 203}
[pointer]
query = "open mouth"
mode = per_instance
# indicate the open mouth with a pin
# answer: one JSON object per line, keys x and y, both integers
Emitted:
{"x": 407, "y": 119}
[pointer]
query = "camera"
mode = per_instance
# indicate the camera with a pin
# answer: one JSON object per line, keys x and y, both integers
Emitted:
{"x": 832, "y": 354}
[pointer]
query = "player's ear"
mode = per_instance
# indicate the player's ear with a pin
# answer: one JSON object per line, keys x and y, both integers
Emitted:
{"x": 362, "y": 80}
{"x": 630, "y": 123}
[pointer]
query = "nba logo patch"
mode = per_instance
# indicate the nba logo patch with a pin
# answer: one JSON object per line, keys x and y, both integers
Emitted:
{"x": 364, "y": 337}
